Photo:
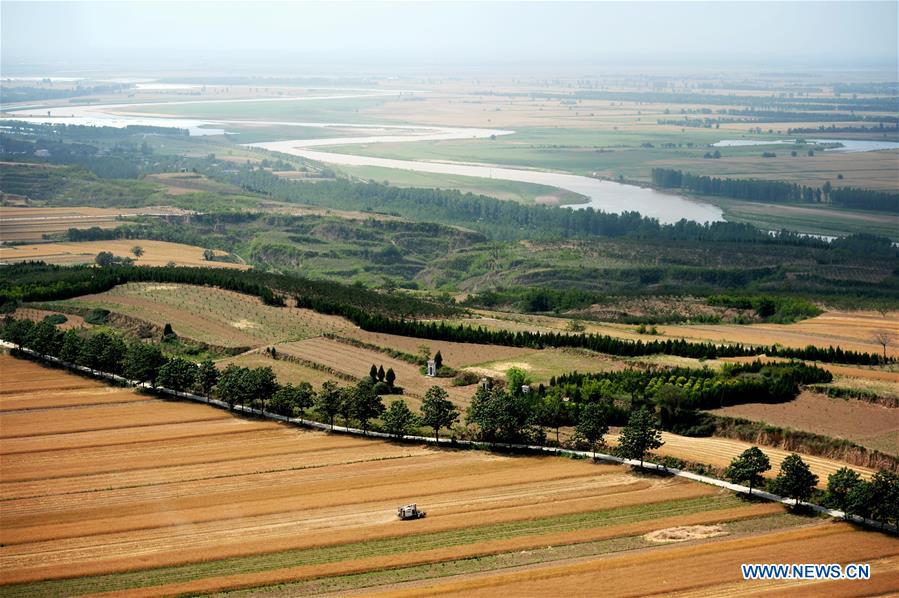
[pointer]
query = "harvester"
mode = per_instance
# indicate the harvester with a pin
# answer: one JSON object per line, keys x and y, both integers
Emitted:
{"x": 410, "y": 512}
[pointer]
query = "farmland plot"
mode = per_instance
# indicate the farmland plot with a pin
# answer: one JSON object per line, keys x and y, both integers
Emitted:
{"x": 101, "y": 497}
{"x": 155, "y": 253}
{"x": 719, "y": 452}
{"x": 870, "y": 425}
{"x": 211, "y": 315}
{"x": 354, "y": 361}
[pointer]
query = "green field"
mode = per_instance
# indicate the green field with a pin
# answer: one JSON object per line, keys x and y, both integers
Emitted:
{"x": 511, "y": 190}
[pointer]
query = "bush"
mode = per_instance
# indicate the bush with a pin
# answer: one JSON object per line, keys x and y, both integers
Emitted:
{"x": 97, "y": 316}
{"x": 56, "y": 319}
{"x": 465, "y": 378}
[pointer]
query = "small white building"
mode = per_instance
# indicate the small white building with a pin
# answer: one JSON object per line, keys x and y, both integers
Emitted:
{"x": 432, "y": 368}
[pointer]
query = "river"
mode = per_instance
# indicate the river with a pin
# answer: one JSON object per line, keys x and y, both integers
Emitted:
{"x": 848, "y": 145}
{"x": 608, "y": 196}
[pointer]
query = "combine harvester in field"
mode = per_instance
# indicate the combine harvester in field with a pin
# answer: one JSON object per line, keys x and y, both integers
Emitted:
{"x": 410, "y": 512}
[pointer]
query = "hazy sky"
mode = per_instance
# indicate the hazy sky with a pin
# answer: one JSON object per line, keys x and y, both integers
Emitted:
{"x": 285, "y": 36}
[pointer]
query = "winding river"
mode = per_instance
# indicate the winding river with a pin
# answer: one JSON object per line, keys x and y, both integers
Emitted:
{"x": 604, "y": 195}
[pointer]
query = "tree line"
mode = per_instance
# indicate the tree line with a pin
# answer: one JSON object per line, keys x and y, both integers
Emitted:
{"x": 370, "y": 310}
{"x": 846, "y": 491}
{"x": 605, "y": 343}
{"x": 42, "y": 282}
{"x": 496, "y": 218}
{"x": 776, "y": 191}
{"x": 677, "y": 394}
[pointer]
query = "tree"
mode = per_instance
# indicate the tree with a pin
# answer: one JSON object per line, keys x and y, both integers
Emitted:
{"x": 104, "y": 258}
{"x": 438, "y": 411}
{"x": 516, "y": 378}
{"x": 884, "y": 339}
{"x": 552, "y": 412}
{"x": 207, "y": 376}
{"x": 168, "y": 333}
{"x": 177, "y": 374}
{"x": 229, "y": 387}
{"x": 71, "y": 346}
{"x": 795, "y": 479}
{"x": 290, "y": 400}
{"x": 483, "y": 411}
{"x": 515, "y": 414}
{"x": 381, "y": 374}
{"x": 373, "y": 373}
{"x": 137, "y": 250}
{"x": 593, "y": 424}
{"x": 438, "y": 360}
{"x": 45, "y": 338}
{"x": 366, "y": 404}
{"x": 884, "y": 497}
{"x": 390, "y": 377}
{"x": 142, "y": 362}
{"x": 345, "y": 404}
{"x": 748, "y": 468}
{"x": 327, "y": 401}
{"x": 841, "y": 491}
{"x": 399, "y": 419}
{"x": 208, "y": 255}
{"x": 261, "y": 386}
{"x": 639, "y": 436}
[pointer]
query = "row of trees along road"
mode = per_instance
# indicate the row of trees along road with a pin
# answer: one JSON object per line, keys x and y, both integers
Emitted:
{"x": 846, "y": 491}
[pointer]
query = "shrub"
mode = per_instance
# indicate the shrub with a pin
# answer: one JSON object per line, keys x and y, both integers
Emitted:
{"x": 97, "y": 316}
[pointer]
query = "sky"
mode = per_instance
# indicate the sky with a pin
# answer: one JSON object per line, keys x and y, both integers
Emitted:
{"x": 280, "y": 37}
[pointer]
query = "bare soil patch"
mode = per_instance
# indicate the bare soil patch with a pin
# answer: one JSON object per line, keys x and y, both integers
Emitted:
{"x": 685, "y": 533}
{"x": 859, "y": 421}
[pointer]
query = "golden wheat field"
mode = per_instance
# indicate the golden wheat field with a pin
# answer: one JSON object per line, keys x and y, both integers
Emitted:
{"x": 105, "y": 489}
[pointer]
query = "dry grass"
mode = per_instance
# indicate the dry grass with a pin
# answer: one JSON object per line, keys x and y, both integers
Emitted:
{"x": 36, "y": 315}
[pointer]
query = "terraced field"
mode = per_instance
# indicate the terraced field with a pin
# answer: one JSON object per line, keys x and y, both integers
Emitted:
{"x": 356, "y": 362}
{"x": 108, "y": 490}
{"x": 211, "y": 315}
{"x": 30, "y": 223}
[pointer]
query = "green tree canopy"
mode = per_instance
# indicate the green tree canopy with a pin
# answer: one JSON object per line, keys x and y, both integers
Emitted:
{"x": 841, "y": 491}
{"x": 593, "y": 424}
{"x": 748, "y": 468}
{"x": 365, "y": 403}
{"x": 438, "y": 411}
{"x": 177, "y": 374}
{"x": 639, "y": 436}
{"x": 399, "y": 419}
{"x": 327, "y": 401}
{"x": 795, "y": 479}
